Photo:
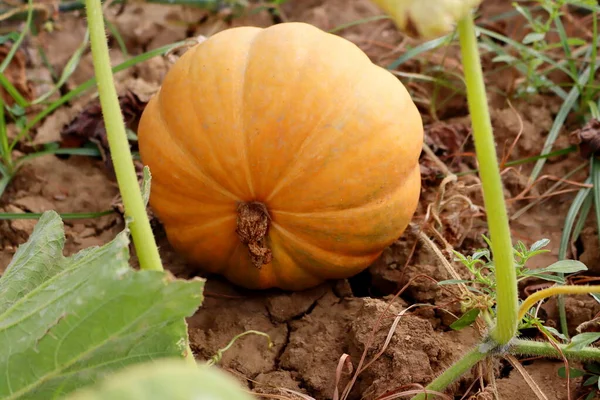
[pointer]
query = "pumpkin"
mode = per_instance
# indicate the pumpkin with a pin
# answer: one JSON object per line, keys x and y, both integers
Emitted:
{"x": 281, "y": 156}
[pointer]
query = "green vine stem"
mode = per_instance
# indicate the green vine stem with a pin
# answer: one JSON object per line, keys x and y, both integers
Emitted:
{"x": 493, "y": 194}
{"x": 454, "y": 372}
{"x": 506, "y": 278}
{"x": 141, "y": 232}
{"x": 544, "y": 349}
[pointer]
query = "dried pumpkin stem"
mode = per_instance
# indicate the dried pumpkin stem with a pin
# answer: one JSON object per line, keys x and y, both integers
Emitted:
{"x": 252, "y": 229}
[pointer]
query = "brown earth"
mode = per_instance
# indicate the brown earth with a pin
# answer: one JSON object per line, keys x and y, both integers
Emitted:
{"x": 313, "y": 330}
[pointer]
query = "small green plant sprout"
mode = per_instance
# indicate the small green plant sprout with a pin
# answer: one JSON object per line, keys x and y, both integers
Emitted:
{"x": 481, "y": 299}
{"x": 535, "y": 43}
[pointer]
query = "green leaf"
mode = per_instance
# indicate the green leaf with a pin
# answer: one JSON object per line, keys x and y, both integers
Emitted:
{"x": 591, "y": 395}
{"x": 593, "y": 367}
{"x": 591, "y": 380}
{"x": 507, "y": 58}
{"x": 573, "y": 372}
{"x": 564, "y": 266}
{"x": 466, "y": 319}
{"x": 555, "y": 333}
{"x": 533, "y": 37}
{"x": 539, "y": 244}
{"x": 578, "y": 342}
{"x": 11, "y": 36}
{"x": 66, "y": 322}
{"x": 546, "y": 277}
{"x": 165, "y": 379}
{"x": 68, "y": 69}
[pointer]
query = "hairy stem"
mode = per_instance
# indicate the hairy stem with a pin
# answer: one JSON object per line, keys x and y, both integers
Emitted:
{"x": 544, "y": 349}
{"x": 493, "y": 194}
{"x": 455, "y": 371}
{"x": 141, "y": 232}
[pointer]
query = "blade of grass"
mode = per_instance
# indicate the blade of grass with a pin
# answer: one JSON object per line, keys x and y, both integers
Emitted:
{"x": 420, "y": 49}
{"x": 564, "y": 40}
{"x": 90, "y": 152}
{"x": 17, "y": 43}
{"x": 581, "y": 219}
{"x": 587, "y": 95}
{"x": 4, "y": 181}
{"x": 5, "y": 153}
{"x": 73, "y": 216}
{"x": 358, "y": 22}
{"x": 525, "y": 49}
{"x": 558, "y": 122}
{"x": 68, "y": 69}
{"x": 555, "y": 153}
{"x": 595, "y": 175}
{"x": 117, "y": 35}
{"x": 12, "y": 91}
{"x": 565, "y": 241}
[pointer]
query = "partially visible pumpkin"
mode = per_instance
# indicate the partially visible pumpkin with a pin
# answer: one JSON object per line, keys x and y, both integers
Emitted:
{"x": 281, "y": 157}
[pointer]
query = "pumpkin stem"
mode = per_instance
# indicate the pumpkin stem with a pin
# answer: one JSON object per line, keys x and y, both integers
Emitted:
{"x": 252, "y": 227}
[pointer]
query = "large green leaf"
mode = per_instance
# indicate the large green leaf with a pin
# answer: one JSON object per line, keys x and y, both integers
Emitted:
{"x": 165, "y": 379}
{"x": 66, "y": 322}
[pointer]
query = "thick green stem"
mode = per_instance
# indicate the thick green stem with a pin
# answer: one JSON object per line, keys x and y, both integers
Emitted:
{"x": 493, "y": 194}
{"x": 545, "y": 349}
{"x": 141, "y": 232}
{"x": 454, "y": 372}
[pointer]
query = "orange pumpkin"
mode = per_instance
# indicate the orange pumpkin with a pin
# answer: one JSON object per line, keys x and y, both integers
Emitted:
{"x": 281, "y": 157}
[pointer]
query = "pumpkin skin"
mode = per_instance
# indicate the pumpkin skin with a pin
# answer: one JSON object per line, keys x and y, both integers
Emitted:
{"x": 290, "y": 134}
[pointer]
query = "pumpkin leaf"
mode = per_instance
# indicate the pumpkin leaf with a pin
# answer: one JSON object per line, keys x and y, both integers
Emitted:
{"x": 66, "y": 322}
{"x": 165, "y": 379}
{"x": 466, "y": 319}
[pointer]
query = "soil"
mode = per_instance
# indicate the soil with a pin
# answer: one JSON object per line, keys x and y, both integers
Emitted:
{"x": 320, "y": 335}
